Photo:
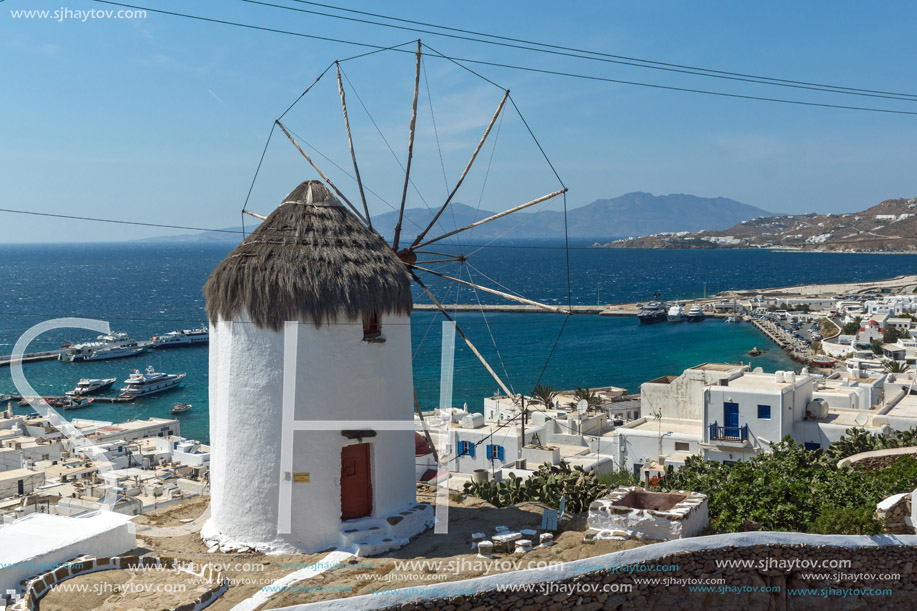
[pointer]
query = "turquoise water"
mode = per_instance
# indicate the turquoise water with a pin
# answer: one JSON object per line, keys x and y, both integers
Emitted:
{"x": 146, "y": 289}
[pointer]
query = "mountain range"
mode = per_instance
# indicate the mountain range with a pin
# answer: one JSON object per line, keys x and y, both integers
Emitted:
{"x": 890, "y": 226}
{"x": 632, "y": 214}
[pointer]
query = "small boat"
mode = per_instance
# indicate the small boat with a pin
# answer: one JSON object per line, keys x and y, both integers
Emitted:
{"x": 676, "y": 313}
{"x": 180, "y": 408}
{"x": 73, "y": 402}
{"x": 91, "y": 387}
{"x": 151, "y": 382}
{"x": 732, "y": 319}
{"x": 695, "y": 313}
{"x": 823, "y": 362}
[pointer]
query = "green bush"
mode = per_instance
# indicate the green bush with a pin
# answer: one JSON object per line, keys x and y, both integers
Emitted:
{"x": 847, "y": 521}
{"x": 791, "y": 488}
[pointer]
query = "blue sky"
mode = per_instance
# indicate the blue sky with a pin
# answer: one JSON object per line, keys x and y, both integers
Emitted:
{"x": 163, "y": 119}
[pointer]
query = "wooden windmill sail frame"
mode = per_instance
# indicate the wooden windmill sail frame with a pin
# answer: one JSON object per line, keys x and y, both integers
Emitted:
{"x": 410, "y": 255}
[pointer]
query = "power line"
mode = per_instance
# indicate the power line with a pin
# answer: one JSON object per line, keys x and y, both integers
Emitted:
{"x": 601, "y": 54}
{"x": 517, "y": 67}
{"x": 570, "y": 52}
{"x": 236, "y": 231}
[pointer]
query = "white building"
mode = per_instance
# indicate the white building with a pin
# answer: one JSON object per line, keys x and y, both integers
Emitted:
{"x": 310, "y": 322}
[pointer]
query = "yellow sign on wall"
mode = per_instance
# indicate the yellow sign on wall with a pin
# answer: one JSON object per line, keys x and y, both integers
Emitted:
{"x": 301, "y": 478}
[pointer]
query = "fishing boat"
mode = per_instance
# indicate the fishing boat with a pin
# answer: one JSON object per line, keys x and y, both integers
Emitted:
{"x": 91, "y": 387}
{"x": 73, "y": 402}
{"x": 823, "y": 362}
{"x": 149, "y": 383}
{"x": 180, "y": 408}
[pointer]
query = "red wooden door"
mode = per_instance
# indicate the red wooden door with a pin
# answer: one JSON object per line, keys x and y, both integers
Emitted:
{"x": 356, "y": 482}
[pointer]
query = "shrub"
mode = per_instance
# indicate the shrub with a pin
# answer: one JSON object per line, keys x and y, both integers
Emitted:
{"x": 847, "y": 521}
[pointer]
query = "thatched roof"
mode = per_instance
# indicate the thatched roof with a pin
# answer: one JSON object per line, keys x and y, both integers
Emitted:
{"x": 310, "y": 260}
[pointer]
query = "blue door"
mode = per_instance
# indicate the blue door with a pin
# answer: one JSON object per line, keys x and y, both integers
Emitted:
{"x": 731, "y": 415}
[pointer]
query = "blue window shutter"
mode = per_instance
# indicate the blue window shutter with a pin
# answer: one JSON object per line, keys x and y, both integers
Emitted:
{"x": 500, "y": 453}
{"x": 490, "y": 452}
{"x": 471, "y": 449}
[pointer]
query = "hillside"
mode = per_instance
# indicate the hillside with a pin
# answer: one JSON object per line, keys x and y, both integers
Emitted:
{"x": 604, "y": 219}
{"x": 890, "y": 226}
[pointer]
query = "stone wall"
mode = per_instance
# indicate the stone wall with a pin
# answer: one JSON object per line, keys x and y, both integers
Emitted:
{"x": 702, "y": 565}
{"x": 35, "y": 588}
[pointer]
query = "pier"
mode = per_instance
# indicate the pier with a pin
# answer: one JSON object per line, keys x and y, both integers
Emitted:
{"x": 48, "y": 355}
{"x": 52, "y": 400}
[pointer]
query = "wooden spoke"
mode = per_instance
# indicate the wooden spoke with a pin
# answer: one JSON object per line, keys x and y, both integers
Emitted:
{"x": 474, "y": 155}
{"x": 320, "y": 173}
{"x": 353, "y": 154}
{"x": 543, "y": 198}
{"x": 257, "y": 216}
{"x": 496, "y": 292}
{"x": 458, "y": 330}
{"x": 407, "y": 171}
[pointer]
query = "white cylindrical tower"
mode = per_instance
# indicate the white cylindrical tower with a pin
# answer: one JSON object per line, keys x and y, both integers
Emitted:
{"x": 310, "y": 348}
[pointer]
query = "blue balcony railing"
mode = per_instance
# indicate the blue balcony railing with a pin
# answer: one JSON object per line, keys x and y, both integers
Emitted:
{"x": 728, "y": 433}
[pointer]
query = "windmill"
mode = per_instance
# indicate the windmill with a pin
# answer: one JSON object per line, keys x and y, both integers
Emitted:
{"x": 416, "y": 253}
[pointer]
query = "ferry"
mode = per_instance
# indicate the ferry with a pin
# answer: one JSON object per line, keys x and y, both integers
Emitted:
{"x": 676, "y": 313}
{"x": 695, "y": 313}
{"x": 113, "y": 346}
{"x": 91, "y": 387}
{"x": 181, "y": 339}
{"x": 151, "y": 382}
{"x": 654, "y": 311}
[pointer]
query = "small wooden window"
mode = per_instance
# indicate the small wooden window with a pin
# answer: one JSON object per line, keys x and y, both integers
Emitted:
{"x": 372, "y": 328}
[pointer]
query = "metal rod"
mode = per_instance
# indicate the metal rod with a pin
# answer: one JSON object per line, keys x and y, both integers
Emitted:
{"x": 496, "y": 292}
{"x": 543, "y": 198}
{"x": 458, "y": 330}
{"x": 474, "y": 155}
{"x": 407, "y": 172}
{"x": 353, "y": 153}
{"x": 320, "y": 173}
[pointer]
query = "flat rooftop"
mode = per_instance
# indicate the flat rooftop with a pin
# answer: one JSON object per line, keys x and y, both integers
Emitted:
{"x": 906, "y": 408}
{"x": 687, "y": 427}
{"x": 717, "y": 367}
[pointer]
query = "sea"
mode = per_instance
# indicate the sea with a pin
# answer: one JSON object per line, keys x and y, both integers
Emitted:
{"x": 145, "y": 289}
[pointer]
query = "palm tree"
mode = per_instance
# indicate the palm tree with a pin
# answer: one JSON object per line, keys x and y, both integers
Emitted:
{"x": 544, "y": 394}
{"x": 894, "y": 366}
{"x": 589, "y": 396}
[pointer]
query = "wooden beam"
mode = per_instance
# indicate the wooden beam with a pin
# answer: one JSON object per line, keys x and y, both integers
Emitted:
{"x": 353, "y": 154}
{"x": 496, "y": 292}
{"x": 543, "y": 198}
{"x": 320, "y": 173}
{"x": 474, "y": 155}
{"x": 484, "y": 362}
{"x": 407, "y": 172}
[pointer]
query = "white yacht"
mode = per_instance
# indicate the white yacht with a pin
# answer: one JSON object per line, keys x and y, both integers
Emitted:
{"x": 181, "y": 339}
{"x": 695, "y": 314}
{"x": 143, "y": 384}
{"x": 676, "y": 313}
{"x": 90, "y": 387}
{"x": 113, "y": 346}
